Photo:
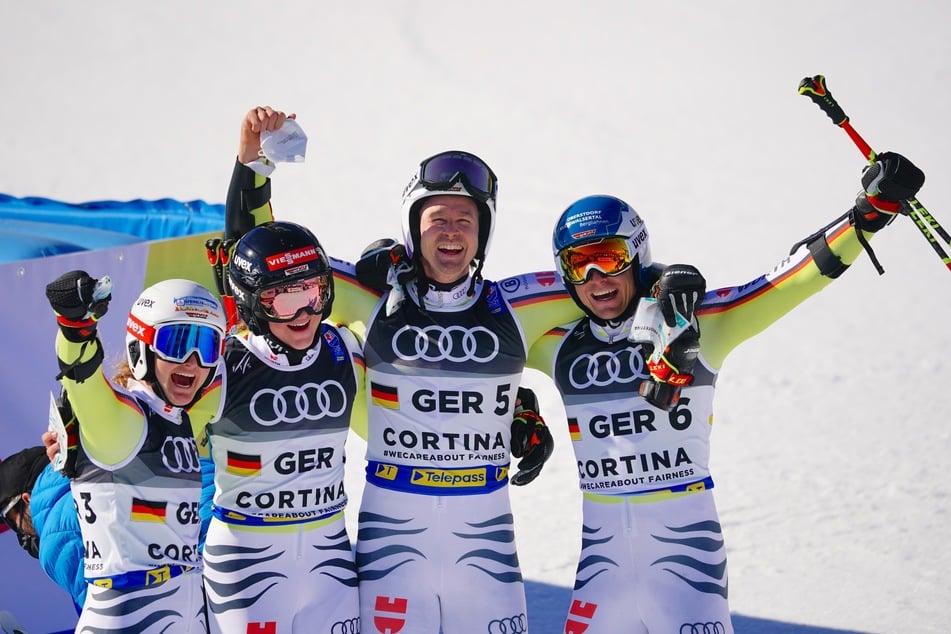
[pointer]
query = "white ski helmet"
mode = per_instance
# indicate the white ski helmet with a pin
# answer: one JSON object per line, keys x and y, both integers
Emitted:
{"x": 174, "y": 302}
{"x": 452, "y": 173}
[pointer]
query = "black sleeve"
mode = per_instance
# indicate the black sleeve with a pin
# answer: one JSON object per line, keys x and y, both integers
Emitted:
{"x": 243, "y": 198}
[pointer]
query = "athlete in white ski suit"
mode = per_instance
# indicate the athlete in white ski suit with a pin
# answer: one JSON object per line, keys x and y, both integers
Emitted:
{"x": 278, "y": 559}
{"x": 138, "y": 481}
{"x": 436, "y": 545}
{"x": 653, "y": 557}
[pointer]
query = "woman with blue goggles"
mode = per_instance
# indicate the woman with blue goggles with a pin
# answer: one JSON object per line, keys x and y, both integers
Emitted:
{"x": 138, "y": 482}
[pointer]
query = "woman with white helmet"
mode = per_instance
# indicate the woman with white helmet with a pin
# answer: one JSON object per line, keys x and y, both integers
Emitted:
{"x": 138, "y": 481}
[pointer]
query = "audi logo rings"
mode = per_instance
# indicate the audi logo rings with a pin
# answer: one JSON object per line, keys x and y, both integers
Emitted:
{"x": 714, "y": 627}
{"x": 180, "y": 455}
{"x": 517, "y": 624}
{"x": 604, "y": 368}
{"x": 349, "y": 626}
{"x": 294, "y": 403}
{"x": 453, "y": 343}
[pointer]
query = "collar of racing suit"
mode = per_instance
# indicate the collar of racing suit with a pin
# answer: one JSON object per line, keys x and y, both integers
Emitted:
{"x": 143, "y": 391}
{"x": 279, "y": 354}
{"x": 611, "y": 331}
{"x": 455, "y": 297}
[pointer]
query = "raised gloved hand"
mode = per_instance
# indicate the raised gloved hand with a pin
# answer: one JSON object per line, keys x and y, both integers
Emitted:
{"x": 80, "y": 301}
{"x": 672, "y": 372}
{"x": 531, "y": 440}
{"x": 886, "y": 184}
{"x": 680, "y": 288}
{"x": 373, "y": 267}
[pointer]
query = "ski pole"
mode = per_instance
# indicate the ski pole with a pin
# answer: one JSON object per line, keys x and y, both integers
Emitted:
{"x": 815, "y": 88}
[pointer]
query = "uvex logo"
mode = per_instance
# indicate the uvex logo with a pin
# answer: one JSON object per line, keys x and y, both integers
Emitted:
{"x": 288, "y": 258}
{"x": 138, "y": 330}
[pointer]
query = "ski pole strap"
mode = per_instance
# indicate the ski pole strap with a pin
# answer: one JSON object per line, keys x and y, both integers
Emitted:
{"x": 865, "y": 245}
{"x": 828, "y": 262}
{"x": 140, "y": 578}
{"x": 80, "y": 370}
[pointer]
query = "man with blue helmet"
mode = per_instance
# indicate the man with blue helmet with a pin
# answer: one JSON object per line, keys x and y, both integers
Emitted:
{"x": 653, "y": 557}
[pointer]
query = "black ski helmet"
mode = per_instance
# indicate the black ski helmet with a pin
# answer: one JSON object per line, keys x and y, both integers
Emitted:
{"x": 269, "y": 255}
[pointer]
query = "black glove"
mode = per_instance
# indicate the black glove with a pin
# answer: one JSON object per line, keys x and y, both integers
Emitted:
{"x": 79, "y": 301}
{"x": 374, "y": 264}
{"x": 680, "y": 288}
{"x": 531, "y": 440}
{"x": 886, "y": 183}
{"x": 672, "y": 372}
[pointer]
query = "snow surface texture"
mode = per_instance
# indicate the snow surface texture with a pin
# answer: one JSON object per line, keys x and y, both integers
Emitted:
{"x": 831, "y": 439}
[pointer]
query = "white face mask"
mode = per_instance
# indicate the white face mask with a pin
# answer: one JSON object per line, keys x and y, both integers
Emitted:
{"x": 288, "y": 144}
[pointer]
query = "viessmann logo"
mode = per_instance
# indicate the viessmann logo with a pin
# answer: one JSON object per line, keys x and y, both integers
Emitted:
{"x": 290, "y": 258}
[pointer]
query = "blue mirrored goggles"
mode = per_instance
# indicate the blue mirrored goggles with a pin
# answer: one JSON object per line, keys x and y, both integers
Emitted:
{"x": 446, "y": 169}
{"x": 177, "y": 342}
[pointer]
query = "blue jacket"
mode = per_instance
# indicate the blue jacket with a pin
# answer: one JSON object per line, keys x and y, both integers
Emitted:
{"x": 56, "y": 523}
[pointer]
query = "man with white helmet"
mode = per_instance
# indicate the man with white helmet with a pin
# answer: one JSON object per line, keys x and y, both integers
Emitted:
{"x": 653, "y": 557}
{"x": 138, "y": 478}
{"x": 444, "y": 351}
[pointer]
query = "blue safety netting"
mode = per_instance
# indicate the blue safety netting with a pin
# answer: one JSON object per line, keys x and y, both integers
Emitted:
{"x": 40, "y": 227}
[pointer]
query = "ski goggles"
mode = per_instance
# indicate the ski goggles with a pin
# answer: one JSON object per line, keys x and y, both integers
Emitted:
{"x": 610, "y": 256}
{"x": 9, "y": 507}
{"x": 6, "y": 509}
{"x": 282, "y": 303}
{"x": 177, "y": 342}
{"x": 443, "y": 171}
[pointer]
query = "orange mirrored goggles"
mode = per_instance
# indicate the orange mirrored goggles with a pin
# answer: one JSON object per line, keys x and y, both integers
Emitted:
{"x": 610, "y": 256}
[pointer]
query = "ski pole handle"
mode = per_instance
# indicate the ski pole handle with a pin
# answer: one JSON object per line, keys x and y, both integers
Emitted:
{"x": 815, "y": 88}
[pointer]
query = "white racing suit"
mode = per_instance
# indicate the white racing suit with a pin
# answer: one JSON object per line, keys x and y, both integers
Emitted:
{"x": 436, "y": 543}
{"x": 653, "y": 557}
{"x": 137, "y": 493}
{"x": 278, "y": 559}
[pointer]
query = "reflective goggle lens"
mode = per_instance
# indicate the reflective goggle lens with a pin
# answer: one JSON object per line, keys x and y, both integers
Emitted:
{"x": 283, "y": 302}
{"x": 610, "y": 256}
{"x": 176, "y": 342}
{"x": 445, "y": 170}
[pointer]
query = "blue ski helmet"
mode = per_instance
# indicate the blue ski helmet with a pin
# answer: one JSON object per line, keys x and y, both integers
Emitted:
{"x": 595, "y": 218}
